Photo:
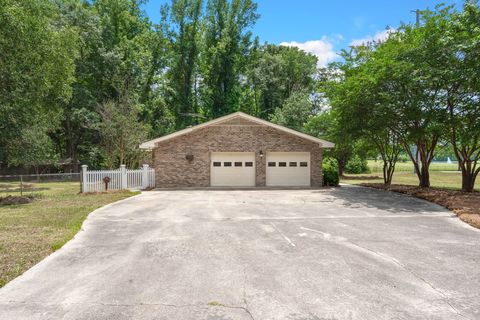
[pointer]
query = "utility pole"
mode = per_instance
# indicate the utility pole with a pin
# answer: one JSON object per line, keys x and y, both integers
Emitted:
{"x": 417, "y": 17}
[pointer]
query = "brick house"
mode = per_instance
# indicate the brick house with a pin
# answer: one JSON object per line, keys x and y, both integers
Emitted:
{"x": 237, "y": 150}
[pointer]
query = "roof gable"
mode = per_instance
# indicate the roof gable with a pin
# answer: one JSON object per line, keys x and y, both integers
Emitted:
{"x": 237, "y": 121}
{"x": 237, "y": 118}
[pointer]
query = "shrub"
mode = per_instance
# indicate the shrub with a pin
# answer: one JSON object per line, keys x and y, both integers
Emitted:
{"x": 330, "y": 172}
{"x": 357, "y": 165}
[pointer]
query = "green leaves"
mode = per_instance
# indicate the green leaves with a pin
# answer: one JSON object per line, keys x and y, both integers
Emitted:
{"x": 417, "y": 88}
{"x": 36, "y": 70}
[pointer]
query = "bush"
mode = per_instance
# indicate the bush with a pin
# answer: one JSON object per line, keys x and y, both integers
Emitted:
{"x": 357, "y": 165}
{"x": 330, "y": 172}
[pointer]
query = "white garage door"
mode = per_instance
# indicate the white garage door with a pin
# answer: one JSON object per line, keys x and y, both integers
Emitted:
{"x": 232, "y": 169}
{"x": 288, "y": 169}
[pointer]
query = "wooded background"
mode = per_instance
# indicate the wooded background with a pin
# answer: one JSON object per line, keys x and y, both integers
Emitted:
{"x": 87, "y": 81}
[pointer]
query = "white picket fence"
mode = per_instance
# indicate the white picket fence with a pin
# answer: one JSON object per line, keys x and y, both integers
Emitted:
{"x": 122, "y": 178}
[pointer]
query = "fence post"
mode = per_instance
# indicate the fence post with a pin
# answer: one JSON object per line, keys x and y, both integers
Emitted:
{"x": 84, "y": 178}
{"x": 145, "y": 183}
{"x": 123, "y": 171}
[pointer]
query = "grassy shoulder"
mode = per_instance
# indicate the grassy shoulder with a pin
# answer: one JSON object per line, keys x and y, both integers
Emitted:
{"x": 30, "y": 232}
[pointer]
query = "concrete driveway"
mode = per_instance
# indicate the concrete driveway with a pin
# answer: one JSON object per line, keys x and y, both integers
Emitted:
{"x": 346, "y": 253}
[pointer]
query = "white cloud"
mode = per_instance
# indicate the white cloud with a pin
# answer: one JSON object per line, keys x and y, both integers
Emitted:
{"x": 377, "y": 37}
{"x": 322, "y": 49}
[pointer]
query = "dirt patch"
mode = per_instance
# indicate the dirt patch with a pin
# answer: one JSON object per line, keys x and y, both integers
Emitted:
{"x": 466, "y": 205}
{"x": 10, "y": 200}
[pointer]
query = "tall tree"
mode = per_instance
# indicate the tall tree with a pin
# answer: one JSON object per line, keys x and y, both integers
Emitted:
{"x": 181, "y": 24}
{"x": 275, "y": 72}
{"x": 457, "y": 39}
{"x": 76, "y": 138}
{"x": 115, "y": 50}
{"x": 365, "y": 105}
{"x": 120, "y": 132}
{"x": 226, "y": 44}
{"x": 36, "y": 71}
{"x": 295, "y": 111}
{"x": 155, "y": 110}
{"x": 411, "y": 91}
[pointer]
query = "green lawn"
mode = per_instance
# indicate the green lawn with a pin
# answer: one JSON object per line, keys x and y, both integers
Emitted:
{"x": 30, "y": 232}
{"x": 441, "y": 175}
{"x": 377, "y": 166}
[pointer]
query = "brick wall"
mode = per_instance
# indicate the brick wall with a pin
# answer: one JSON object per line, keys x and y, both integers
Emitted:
{"x": 172, "y": 169}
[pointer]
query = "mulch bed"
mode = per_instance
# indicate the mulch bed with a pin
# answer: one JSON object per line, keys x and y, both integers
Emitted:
{"x": 10, "y": 200}
{"x": 361, "y": 177}
{"x": 464, "y": 204}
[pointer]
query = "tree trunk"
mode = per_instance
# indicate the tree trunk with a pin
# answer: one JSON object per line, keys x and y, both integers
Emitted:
{"x": 421, "y": 161}
{"x": 469, "y": 175}
{"x": 424, "y": 177}
{"x": 341, "y": 167}
{"x": 388, "y": 170}
{"x": 468, "y": 181}
{"x": 468, "y": 167}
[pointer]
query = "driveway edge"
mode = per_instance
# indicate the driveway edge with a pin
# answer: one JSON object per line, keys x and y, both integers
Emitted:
{"x": 29, "y": 273}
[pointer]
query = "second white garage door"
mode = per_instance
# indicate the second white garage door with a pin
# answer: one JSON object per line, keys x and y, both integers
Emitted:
{"x": 232, "y": 169}
{"x": 289, "y": 169}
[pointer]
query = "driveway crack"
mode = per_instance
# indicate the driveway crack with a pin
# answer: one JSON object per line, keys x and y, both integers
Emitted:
{"x": 348, "y": 243}
{"x": 404, "y": 267}
{"x": 413, "y": 273}
{"x": 244, "y": 298}
{"x": 245, "y": 292}
{"x": 126, "y": 305}
{"x": 109, "y": 304}
{"x": 290, "y": 242}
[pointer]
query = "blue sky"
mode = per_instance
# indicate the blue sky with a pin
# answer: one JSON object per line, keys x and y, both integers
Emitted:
{"x": 325, "y": 27}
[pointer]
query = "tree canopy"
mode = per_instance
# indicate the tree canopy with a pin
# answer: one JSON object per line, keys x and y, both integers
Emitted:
{"x": 88, "y": 80}
{"x": 415, "y": 91}
{"x": 78, "y": 69}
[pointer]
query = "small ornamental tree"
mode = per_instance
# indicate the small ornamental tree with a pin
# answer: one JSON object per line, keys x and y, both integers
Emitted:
{"x": 121, "y": 132}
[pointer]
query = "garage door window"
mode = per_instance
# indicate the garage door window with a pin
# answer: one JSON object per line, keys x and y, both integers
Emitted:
{"x": 232, "y": 169}
{"x": 271, "y": 164}
{"x": 289, "y": 169}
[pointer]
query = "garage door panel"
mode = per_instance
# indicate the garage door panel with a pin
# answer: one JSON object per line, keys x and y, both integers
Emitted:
{"x": 232, "y": 169}
{"x": 288, "y": 169}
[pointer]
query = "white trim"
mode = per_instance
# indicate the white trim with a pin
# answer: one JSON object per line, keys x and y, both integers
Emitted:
{"x": 151, "y": 144}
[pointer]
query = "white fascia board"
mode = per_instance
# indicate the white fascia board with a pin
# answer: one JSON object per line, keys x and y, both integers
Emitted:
{"x": 322, "y": 143}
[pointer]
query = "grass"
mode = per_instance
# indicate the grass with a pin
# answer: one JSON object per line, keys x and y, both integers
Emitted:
{"x": 442, "y": 175}
{"x": 30, "y": 232}
{"x": 438, "y": 179}
{"x": 377, "y": 166}
{"x": 445, "y": 187}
